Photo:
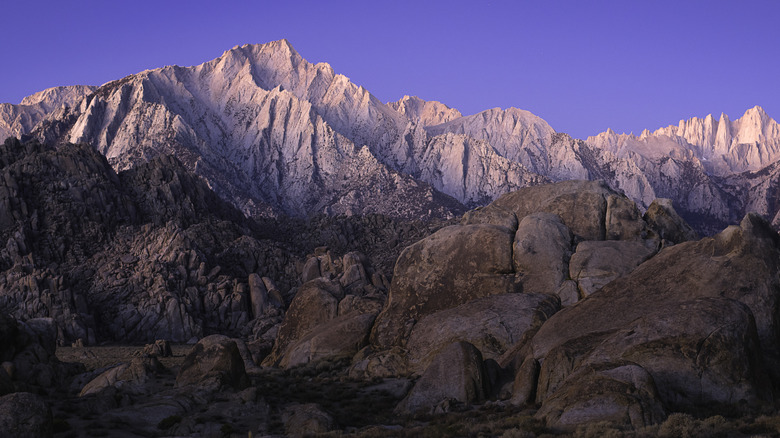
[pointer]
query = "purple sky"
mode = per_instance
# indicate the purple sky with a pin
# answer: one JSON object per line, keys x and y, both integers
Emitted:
{"x": 583, "y": 66}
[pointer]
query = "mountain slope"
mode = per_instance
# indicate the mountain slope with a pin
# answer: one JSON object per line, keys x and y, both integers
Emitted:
{"x": 266, "y": 149}
{"x": 276, "y": 134}
{"x": 16, "y": 120}
{"x": 723, "y": 147}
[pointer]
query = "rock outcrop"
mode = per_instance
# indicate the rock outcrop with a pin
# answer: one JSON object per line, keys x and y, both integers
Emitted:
{"x": 456, "y": 375}
{"x": 697, "y": 318}
{"x": 455, "y": 265}
{"x": 307, "y": 419}
{"x": 27, "y": 355}
{"x": 149, "y": 254}
{"x": 215, "y": 361}
{"x": 332, "y": 313}
{"x": 660, "y": 323}
{"x": 522, "y": 242}
{"x": 623, "y": 395}
{"x": 491, "y": 324}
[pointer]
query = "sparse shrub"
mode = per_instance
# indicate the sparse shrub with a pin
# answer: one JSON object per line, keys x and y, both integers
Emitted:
{"x": 762, "y": 425}
{"x": 529, "y": 423}
{"x": 518, "y": 433}
{"x": 60, "y": 425}
{"x": 601, "y": 429}
{"x": 677, "y": 425}
{"x": 168, "y": 422}
{"x": 226, "y": 430}
{"x": 715, "y": 426}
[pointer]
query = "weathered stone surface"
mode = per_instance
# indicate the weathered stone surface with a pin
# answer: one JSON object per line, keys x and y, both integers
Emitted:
{"x": 27, "y": 355}
{"x": 340, "y": 337}
{"x": 307, "y": 419}
{"x": 741, "y": 263}
{"x": 697, "y": 318}
{"x": 623, "y": 220}
{"x": 701, "y": 352}
{"x": 104, "y": 380}
{"x": 129, "y": 376}
{"x": 663, "y": 218}
{"x": 596, "y": 263}
{"x": 25, "y": 415}
{"x": 355, "y": 304}
{"x": 313, "y": 305}
{"x": 524, "y": 385}
{"x": 456, "y": 374}
{"x": 151, "y": 253}
{"x": 353, "y": 265}
{"x": 492, "y": 324}
{"x": 213, "y": 362}
{"x": 160, "y": 348}
{"x": 311, "y": 270}
{"x": 453, "y": 266}
{"x": 258, "y": 295}
{"x": 569, "y": 293}
{"x": 145, "y": 417}
{"x": 250, "y": 365}
{"x": 369, "y": 364}
{"x": 581, "y": 205}
{"x": 621, "y": 395}
{"x": 491, "y": 215}
{"x": 541, "y": 252}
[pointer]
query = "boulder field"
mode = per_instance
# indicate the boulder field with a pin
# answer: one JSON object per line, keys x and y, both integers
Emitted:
{"x": 563, "y": 297}
{"x": 581, "y": 306}
{"x": 566, "y": 302}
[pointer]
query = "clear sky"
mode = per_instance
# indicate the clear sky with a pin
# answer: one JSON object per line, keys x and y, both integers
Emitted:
{"x": 584, "y": 66}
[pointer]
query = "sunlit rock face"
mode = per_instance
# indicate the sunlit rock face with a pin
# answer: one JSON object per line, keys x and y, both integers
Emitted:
{"x": 16, "y": 120}
{"x": 275, "y": 134}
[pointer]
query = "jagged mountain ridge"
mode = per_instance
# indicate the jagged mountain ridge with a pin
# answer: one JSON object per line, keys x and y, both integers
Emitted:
{"x": 274, "y": 133}
{"x": 16, "y": 120}
{"x": 225, "y": 117}
{"x": 259, "y": 145}
{"x": 724, "y": 147}
{"x": 715, "y": 170}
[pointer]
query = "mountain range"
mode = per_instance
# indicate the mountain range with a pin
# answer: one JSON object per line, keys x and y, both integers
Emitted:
{"x": 279, "y": 136}
{"x": 312, "y": 246}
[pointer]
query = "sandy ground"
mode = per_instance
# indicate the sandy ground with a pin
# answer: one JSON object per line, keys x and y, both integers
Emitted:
{"x": 105, "y": 355}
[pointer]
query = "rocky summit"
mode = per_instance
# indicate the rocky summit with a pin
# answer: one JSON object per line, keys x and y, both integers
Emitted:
{"x": 256, "y": 246}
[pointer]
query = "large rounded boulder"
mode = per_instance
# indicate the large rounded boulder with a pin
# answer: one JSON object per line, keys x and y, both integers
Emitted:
{"x": 522, "y": 242}
{"x": 455, "y": 265}
{"x": 699, "y": 318}
{"x": 214, "y": 362}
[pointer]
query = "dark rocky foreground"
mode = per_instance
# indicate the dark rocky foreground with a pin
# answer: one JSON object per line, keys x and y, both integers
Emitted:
{"x": 140, "y": 304}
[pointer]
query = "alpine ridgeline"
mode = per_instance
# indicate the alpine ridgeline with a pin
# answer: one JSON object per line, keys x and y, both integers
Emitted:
{"x": 276, "y": 134}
